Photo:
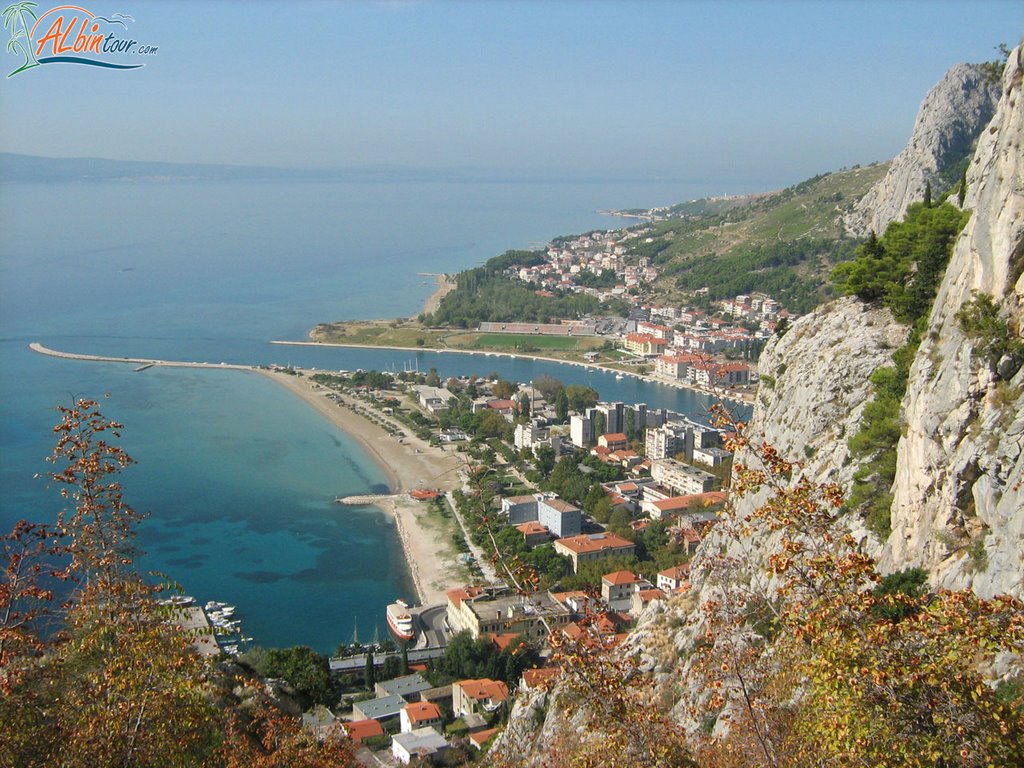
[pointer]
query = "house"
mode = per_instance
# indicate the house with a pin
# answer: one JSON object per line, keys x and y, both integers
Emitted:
{"x": 480, "y": 738}
{"x": 673, "y": 578}
{"x": 689, "y": 538}
{"x": 408, "y": 687}
{"x": 358, "y": 730}
{"x": 383, "y": 708}
{"x": 441, "y": 696}
{"x": 578, "y": 601}
{"x": 452, "y": 435}
{"x": 504, "y": 407}
{"x": 673, "y": 367}
{"x": 560, "y": 517}
{"x": 626, "y": 458}
{"x": 478, "y": 697}
{"x": 674, "y": 506}
{"x": 667, "y": 440}
{"x": 422, "y": 742}
{"x": 595, "y": 546}
{"x": 420, "y": 714}
{"x": 640, "y": 599}
{"x": 520, "y": 509}
{"x": 617, "y": 588}
{"x": 534, "y": 534}
{"x": 434, "y": 399}
{"x": 321, "y": 722}
{"x": 614, "y": 441}
{"x": 733, "y": 374}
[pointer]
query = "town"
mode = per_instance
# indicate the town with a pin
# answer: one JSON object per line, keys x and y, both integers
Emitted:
{"x": 706, "y": 344}
{"x": 573, "y": 513}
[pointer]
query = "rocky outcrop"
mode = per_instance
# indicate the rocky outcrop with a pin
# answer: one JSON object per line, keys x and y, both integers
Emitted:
{"x": 951, "y": 117}
{"x": 959, "y": 491}
{"x": 814, "y": 384}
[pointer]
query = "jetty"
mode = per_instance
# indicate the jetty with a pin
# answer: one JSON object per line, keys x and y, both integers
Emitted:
{"x": 142, "y": 362}
{"x": 360, "y": 501}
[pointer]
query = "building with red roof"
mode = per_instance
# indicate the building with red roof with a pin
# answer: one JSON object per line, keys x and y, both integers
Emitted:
{"x": 673, "y": 578}
{"x": 534, "y": 533}
{"x": 478, "y": 697}
{"x": 420, "y": 714}
{"x": 596, "y": 546}
{"x": 613, "y": 441}
{"x": 358, "y": 730}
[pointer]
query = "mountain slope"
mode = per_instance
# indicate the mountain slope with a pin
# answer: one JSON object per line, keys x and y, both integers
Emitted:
{"x": 950, "y": 119}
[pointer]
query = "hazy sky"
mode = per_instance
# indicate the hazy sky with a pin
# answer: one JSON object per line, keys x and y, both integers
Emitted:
{"x": 756, "y": 94}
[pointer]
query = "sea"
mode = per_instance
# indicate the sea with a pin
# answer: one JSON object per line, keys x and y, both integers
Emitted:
{"x": 238, "y": 477}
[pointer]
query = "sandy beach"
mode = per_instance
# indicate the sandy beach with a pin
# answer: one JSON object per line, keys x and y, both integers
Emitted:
{"x": 445, "y": 285}
{"x": 413, "y": 463}
{"x": 431, "y": 557}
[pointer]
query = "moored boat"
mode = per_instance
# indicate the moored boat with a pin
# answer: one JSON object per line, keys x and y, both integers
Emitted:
{"x": 400, "y": 621}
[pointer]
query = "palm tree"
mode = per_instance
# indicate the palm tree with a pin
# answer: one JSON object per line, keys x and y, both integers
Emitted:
{"x": 19, "y": 37}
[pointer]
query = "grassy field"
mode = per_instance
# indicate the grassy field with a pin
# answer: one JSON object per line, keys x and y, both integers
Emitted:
{"x": 512, "y": 342}
{"x": 379, "y": 332}
{"x": 413, "y": 335}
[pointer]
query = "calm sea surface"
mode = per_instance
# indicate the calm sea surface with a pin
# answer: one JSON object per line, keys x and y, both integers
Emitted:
{"x": 237, "y": 475}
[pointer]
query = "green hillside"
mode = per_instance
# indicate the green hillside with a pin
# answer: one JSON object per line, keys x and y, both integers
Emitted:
{"x": 784, "y": 243}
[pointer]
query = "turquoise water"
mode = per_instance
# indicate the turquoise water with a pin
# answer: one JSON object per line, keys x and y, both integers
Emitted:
{"x": 237, "y": 475}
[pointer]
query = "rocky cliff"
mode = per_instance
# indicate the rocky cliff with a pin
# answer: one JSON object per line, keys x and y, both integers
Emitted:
{"x": 950, "y": 119}
{"x": 959, "y": 501}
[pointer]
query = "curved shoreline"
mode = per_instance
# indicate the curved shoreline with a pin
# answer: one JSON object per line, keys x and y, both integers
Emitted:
{"x": 407, "y": 465}
{"x": 735, "y": 397}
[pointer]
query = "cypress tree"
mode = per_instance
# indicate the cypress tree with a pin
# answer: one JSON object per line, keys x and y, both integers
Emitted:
{"x": 370, "y": 671}
{"x": 405, "y": 658}
{"x": 928, "y": 195}
{"x": 963, "y": 189}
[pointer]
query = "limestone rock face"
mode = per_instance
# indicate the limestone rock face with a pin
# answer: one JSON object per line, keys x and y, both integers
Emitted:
{"x": 959, "y": 500}
{"x": 951, "y": 117}
{"x": 814, "y": 384}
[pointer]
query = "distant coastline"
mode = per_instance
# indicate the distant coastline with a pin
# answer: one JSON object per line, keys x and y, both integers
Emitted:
{"x": 742, "y": 398}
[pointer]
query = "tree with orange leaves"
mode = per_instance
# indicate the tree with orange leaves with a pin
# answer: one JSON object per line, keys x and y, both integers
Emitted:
{"x": 118, "y": 684}
{"x": 840, "y": 673}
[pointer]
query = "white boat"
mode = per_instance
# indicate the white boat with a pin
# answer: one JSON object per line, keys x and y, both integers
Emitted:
{"x": 400, "y": 621}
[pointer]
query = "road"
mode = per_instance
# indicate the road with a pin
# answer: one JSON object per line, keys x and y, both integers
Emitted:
{"x": 432, "y": 627}
{"x": 482, "y": 559}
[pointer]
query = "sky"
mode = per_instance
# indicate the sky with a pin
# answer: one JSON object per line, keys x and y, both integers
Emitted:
{"x": 758, "y": 94}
